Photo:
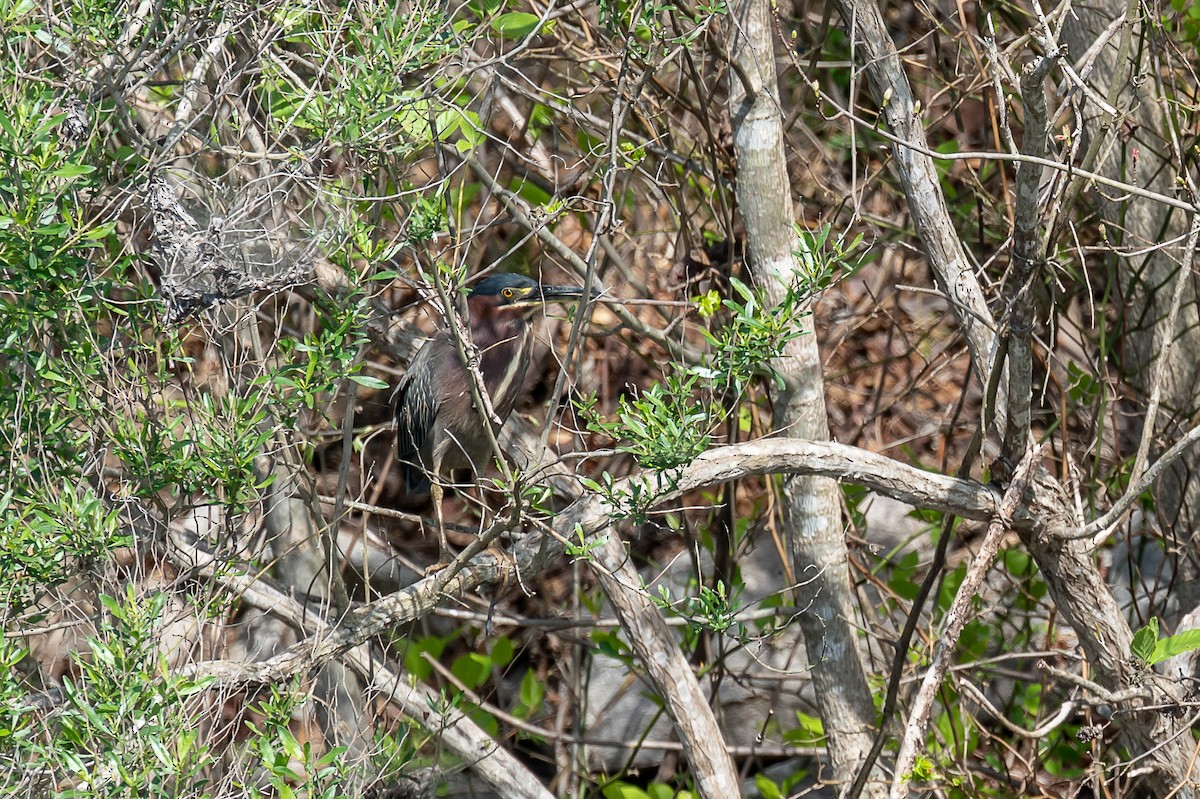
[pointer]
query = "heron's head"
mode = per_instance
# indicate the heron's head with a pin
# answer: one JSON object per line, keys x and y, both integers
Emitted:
{"x": 508, "y": 290}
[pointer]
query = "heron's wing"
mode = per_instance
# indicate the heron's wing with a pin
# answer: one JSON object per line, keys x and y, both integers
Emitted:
{"x": 408, "y": 438}
{"x": 416, "y": 411}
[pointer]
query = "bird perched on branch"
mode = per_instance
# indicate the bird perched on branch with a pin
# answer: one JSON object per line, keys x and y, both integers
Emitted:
{"x": 438, "y": 427}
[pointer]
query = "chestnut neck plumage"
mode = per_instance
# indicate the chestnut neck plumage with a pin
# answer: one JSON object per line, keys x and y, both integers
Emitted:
{"x": 502, "y": 334}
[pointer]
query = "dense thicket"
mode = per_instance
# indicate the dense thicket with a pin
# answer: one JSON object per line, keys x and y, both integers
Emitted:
{"x": 869, "y": 471}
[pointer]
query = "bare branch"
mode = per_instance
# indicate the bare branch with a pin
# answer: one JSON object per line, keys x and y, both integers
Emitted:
{"x": 1026, "y": 256}
{"x": 669, "y": 671}
{"x": 919, "y": 179}
{"x": 478, "y": 750}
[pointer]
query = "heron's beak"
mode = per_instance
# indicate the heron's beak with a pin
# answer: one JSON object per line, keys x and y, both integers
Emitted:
{"x": 564, "y": 293}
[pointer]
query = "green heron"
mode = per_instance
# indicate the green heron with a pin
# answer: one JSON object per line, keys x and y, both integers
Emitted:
{"x": 438, "y": 427}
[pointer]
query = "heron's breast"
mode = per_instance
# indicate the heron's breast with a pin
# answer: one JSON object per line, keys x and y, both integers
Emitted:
{"x": 504, "y": 367}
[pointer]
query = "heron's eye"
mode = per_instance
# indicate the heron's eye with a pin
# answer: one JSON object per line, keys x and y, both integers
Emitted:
{"x": 508, "y": 294}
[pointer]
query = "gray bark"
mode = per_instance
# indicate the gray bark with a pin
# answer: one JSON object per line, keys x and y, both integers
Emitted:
{"x": 591, "y": 515}
{"x": 811, "y": 506}
{"x": 1044, "y": 517}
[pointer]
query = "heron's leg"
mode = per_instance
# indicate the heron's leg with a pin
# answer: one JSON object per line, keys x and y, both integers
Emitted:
{"x": 444, "y": 554}
{"x": 436, "y": 493}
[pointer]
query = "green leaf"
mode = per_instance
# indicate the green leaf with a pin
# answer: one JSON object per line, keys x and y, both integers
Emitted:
{"x": 623, "y": 790}
{"x": 708, "y": 304}
{"x": 415, "y": 663}
{"x": 532, "y": 690}
{"x": 73, "y": 170}
{"x": 100, "y": 231}
{"x": 369, "y": 382}
{"x": 502, "y": 651}
{"x": 1172, "y": 645}
{"x": 471, "y": 669}
{"x": 810, "y": 732}
{"x": 1144, "y": 641}
{"x": 516, "y": 24}
{"x": 766, "y": 787}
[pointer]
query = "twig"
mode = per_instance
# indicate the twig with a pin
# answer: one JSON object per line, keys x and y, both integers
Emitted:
{"x": 1099, "y": 691}
{"x": 1165, "y": 335}
{"x": 1101, "y": 528}
{"x": 603, "y": 223}
{"x": 191, "y": 84}
{"x": 455, "y": 730}
{"x": 918, "y": 176}
{"x": 900, "y": 657}
{"x": 392, "y": 513}
{"x": 1016, "y": 158}
{"x": 1036, "y": 734}
{"x": 1049, "y": 44}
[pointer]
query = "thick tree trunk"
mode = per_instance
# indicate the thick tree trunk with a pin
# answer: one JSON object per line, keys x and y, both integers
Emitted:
{"x": 811, "y": 504}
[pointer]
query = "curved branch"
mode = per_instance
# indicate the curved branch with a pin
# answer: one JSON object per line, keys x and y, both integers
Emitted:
{"x": 1101, "y": 528}
{"x": 593, "y": 513}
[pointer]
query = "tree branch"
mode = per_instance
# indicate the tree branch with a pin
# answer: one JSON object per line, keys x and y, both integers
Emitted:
{"x": 594, "y": 513}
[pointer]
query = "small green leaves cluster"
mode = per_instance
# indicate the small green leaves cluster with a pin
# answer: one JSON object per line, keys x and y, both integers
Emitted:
{"x": 15, "y": 719}
{"x": 519, "y": 24}
{"x": 474, "y": 671}
{"x": 51, "y": 299}
{"x": 370, "y": 96}
{"x": 581, "y": 546}
{"x": 773, "y": 790}
{"x": 47, "y": 290}
{"x": 619, "y": 789}
{"x": 278, "y": 750}
{"x": 664, "y": 426}
{"x": 124, "y": 729}
{"x": 206, "y": 445}
{"x": 90, "y": 380}
{"x": 130, "y": 727}
{"x": 426, "y": 219}
{"x": 365, "y": 98}
{"x": 315, "y": 365}
{"x": 1150, "y": 649}
{"x": 1185, "y": 16}
{"x": 709, "y": 609}
{"x": 644, "y": 24}
{"x": 633, "y": 499}
{"x": 756, "y": 333}
{"x": 45, "y": 540}
{"x": 825, "y": 258}
{"x": 672, "y": 422}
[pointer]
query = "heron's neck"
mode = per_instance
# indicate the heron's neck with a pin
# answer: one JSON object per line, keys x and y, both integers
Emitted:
{"x": 503, "y": 339}
{"x": 493, "y": 328}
